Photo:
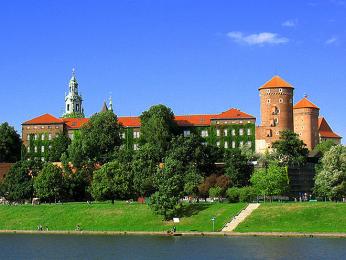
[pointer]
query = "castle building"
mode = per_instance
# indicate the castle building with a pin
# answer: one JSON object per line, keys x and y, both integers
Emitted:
{"x": 276, "y": 102}
{"x": 229, "y": 130}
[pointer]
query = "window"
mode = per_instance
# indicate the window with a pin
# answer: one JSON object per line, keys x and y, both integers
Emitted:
{"x": 36, "y": 136}
{"x": 71, "y": 136}
{"x": 57, "y": 127}
{"x": 187, "y": 133}
{"x": 42, "y": 127}
{"x": 280, "y": 90}
{"x": 248, "y": 143}
{"x": 248, "y": 131}
{"x": 28, "y": 127}
{"x": 42, "y": 159}
{"x": 35, "y": 149}
{"x": 123, "y": 136}
{"x": 241, "y": 131}
{"x": 49, "y": 137}
{"x": 136, "y": 134}
{"x": 233, "y": 132}
{"x": 50, "y": 146}
{"x": 204, "y": 133}
{"x": 218, "y": 143}
{"x": 225, "y": 132}
{"x": 49, "y": 127}
{"x": 268, "y": 91}
{"x": 280, "y": 100}
{"x": 77, "y": 107}
{"x": 268, "y": 101}
{"x": 28, "y": 137}
{"x": 42, "y": 137}
{"x": 68, "y": 107}
{"x": 276, "y": 121}
{"x": 217, "y": 122}
{"x": 135, "y": 147}
{"x": 233, "y": 144}
{"x": 28, "y": 149}
{"x": 226, "y": 144}
{"x": 42, "y": 149}
{"x": 241, "y": 143}
{"x": 277, "y": 133}
{"x": 290, "y": 100}
{"x": 35, "y": 127}
{"x": 217, "y": 132}
{"x": 240, "y": 122}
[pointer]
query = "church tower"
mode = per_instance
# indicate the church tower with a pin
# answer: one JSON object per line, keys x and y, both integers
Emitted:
{"x": 276, "y": 101}
{"x": 306, "y": 122}
{"x": 73, "y": 100}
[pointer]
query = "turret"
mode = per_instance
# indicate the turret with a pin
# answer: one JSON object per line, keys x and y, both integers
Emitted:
{"x": 73, "y": 100}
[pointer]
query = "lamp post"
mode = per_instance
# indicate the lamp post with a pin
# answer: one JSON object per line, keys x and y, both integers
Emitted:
{"x": 213, "y": 220}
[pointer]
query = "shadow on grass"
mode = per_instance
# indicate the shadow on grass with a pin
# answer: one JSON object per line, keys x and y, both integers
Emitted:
{"x": 193, "y": 209}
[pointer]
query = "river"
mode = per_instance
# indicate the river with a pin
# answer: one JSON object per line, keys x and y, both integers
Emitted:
{"x": 15, "y": 246}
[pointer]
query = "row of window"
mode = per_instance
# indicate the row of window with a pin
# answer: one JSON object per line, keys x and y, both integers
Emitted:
{"x": 36, "y": 149}
{"x": 233, "y": 144}
{"x": 42, "y": 137}
{"x": 232, "y": 122}
{"x": 204, "y": 133}
{"x": 42, "y": 127}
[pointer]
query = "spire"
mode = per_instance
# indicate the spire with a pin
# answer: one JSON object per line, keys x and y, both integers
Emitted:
{"x": 73, "y": 84}
{"x": 110, "y": 103}
{"x": 104, "y": 107}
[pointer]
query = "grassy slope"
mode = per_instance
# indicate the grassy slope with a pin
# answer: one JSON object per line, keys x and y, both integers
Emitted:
{"x": 107, "y": 217}
{"x": 296, "y": 217}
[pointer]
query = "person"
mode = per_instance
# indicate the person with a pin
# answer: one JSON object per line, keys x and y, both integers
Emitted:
{"x": 78, "y": 227}
{"x": 46, "y": 228}
{"x": 174, "y": 229}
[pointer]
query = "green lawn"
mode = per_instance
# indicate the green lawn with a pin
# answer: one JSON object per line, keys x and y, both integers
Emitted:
{"x": 296, "y": 217}
{"x": 118, "y": 217}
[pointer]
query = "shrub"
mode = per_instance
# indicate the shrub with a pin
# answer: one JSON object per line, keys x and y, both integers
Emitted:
{"x": 233, "y": 194}
{"x": 215, "y": 192}
{"x": 247, "y": 194}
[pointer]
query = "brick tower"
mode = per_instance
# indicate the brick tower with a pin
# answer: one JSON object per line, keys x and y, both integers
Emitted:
{"x": 276, "y": 101}
{"x": 306, "y": 122}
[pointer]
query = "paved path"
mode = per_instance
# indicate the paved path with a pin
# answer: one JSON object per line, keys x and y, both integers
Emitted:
{"x": 240, "y": 217}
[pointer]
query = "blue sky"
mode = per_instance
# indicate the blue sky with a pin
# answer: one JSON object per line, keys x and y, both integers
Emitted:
{"x": 194, "y": 56}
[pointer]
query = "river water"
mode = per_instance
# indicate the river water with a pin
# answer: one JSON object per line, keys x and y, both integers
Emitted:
{"x": 15, "y": 246}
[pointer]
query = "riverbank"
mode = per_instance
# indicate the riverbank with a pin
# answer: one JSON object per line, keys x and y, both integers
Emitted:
{"x": 177, "y": 234}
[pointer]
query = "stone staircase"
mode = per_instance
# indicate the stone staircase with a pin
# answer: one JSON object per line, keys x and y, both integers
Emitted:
{"x": 230, "y": 226}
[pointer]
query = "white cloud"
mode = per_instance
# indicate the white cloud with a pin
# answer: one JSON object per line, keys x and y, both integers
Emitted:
{"x": 332, "y": 40}
{"x": 257, "y": 38}
{"x": 290, "y": 23}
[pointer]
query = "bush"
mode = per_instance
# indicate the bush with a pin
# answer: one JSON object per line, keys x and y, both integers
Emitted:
{"x": 233, "y": 194}
{"x": 247, "y": 194}
{"x": 215, "y": 192}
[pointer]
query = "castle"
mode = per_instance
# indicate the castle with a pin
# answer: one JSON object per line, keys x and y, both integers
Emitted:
{"x": 230, "y": 129}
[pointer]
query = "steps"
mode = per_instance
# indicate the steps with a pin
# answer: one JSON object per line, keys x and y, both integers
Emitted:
{"x": 230, "y": 226}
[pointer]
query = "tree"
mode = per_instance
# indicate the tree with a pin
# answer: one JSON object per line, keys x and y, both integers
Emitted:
{"x": 49, "y": 184}
{"x": 330, "y": 180}
{"x": 237, "y": 167}
{"x": 192, "y": 180}
{"x": 144, "y": 168}
{"x": 18, "y": 183}
{"x": 270, "y": 181}
{"x": 324, "y": 146}
{"x": 59, "y": 146}
{"x": 157, "y": 128}
{"x": 112, "y": 181}
{"x": 215, "y": 192}
{"x": 290, "y": 149}
{"x": 213, "y": 181}
{"x": 10, "y": 144}
{"x": 98, "y": 139}
{"x": 170, "y": 186}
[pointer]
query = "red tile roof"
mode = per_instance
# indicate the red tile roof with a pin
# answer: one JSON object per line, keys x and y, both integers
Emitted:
{"x": 75, "y": 123}
{"x": 276, "y": 82}
{"x": 325, "y": 130}
{"x": 130, "y": 121}
{"x": 305, "y": 103}
{"x": 133, "y": 121}
{"x": 44, "y": 119}
{"x": 233, "y": 113}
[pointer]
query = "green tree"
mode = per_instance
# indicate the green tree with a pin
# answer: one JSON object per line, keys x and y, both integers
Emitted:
{"x": 215, "y": 192}
{"x": 97, "y": 140}
{"x": 330, "y": 180}
{"x": 59, "y": 146}
{"x": 270, "y": 181}
{"x": 192, "y": 180}
{"x": 112, "y": 181}
{"x": 158, "y": 128}
{"x": 144, "y": 168}
{"x": 289, "y": 149}
{"x": 324, "y": 146}
{"x": 237, "y": 167}
{"x": 170, "y": 186}
{"x": 49, "y": 184}
{"x": 74, "y": 115}
{"x": 10, "y": 144}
